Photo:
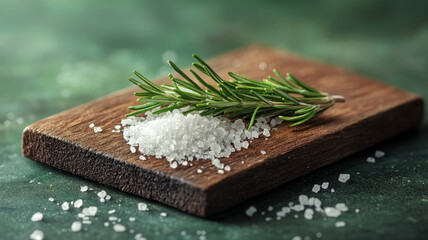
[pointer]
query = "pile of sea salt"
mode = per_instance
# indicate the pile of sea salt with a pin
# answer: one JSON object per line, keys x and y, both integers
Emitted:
{"x": 183, "y": 138}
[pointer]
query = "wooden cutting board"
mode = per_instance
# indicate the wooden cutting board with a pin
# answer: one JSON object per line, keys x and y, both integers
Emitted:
{"x": 373, "y": 112}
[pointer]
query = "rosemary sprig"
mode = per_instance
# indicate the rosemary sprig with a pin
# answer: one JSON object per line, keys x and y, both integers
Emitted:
{"x": 241, "y": 97}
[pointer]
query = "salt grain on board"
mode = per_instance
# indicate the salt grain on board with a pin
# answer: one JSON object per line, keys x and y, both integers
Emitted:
{"x": 119, "y": 228}
{"x": 142, "y": 207}
{"x": 371, "y": 160}
{"x": 65, "y": 206}
{"x": 316, "y": 188}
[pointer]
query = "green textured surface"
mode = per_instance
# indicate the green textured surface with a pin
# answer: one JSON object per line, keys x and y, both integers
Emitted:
{"x": 55, "y": 55}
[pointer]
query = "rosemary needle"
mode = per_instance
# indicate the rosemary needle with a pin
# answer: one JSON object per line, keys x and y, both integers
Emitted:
{"x": 286, "y": 97}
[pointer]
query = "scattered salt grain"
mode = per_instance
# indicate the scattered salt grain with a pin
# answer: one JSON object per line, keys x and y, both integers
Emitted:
{"x": 112, "y": 218}
{"x": 78, "y": 203}
{"x": 80, "y": 215}
{"x": 76, "y": 226}
{"x": 332, "y": 212}
{"x": 119, "y": 228}
{"x": 51, "y": 199}
{"x": 83, "y": 188}
{"x": 297, "y": 238}
{"x": 344, "y": 177}
{"x": 102, "y": 194}
{"x": 199, "y": 171}
{"x": 106, "y": 224}
{"x": 139, "y": 237}
{"x": 87, "y": 222}
{"x": 262, "y": 66}
{"x": 90, "y": 211}
{"x": 111, "y": 211}
{"x": 371, "y": 160}
{"x": 65, "y": 206}
{"x": 270, "y": 208}
{"x": 142, "y": 207}
{"x": 309, "y": 213}
{"x": 340, "y": 224}
{"x": 38, "y": 216}
{"x": 117, "y": 127}
{"x": 108, "y": 197}
{"x": 163, "y": 214}
{"x": 341, "y": 207}
{"x": 251, "y": 211}
{"x": 142, "y": 158}
{"x": 263, "y": 152}
{"x": 132, "y": 219}
{"x": 220, "y": 171}
{"x": 98, "y": 129}
{"x": 227, "y": 168}
{"x": 379, "y": 154}
{"x": 324, "y": 185}
{"x": 37, "y": 235}
{"x": 357, "y": 210}
{"x": 173, "y": 164}
{"x": 316, "y": 188}
{"x": 332, "y": 190}
{"x": 91, "y": 125}
{"x": 268, "y": 219}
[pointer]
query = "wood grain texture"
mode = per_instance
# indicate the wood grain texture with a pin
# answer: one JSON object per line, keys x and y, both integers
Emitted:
{"x": 372, "y": 113}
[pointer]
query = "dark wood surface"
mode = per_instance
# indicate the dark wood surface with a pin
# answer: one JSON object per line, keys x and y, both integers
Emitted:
{"x": 372, "y": 113}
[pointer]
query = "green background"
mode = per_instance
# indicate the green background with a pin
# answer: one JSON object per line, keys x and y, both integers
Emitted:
{"x": 55, "y": 55}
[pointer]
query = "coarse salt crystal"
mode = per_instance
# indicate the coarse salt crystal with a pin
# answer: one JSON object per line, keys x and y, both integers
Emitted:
{"x": 51, "y": 199}
{"x": 332, "y": 190}
{"x": 227, "y": 168}
{"x": 173, "y": 164}
{"x": 251, "y": 211}
{"x": 38, "y": 216}
{"x": 112, "y": 218}
{"x": 90, "y": 211}
{"x": 316, "y": 188}
{"x": 102, "y": 194}
{"x": 220, "y": 171}
{"x": 119, "y": 228}
{"x": 91, "y": 125}
{"x": 199, "y": 171}
{"x": 76, "y": 226}
{"x": 263, "y": 152}
{"x": 111, "y": 211}
{"x": 106, "y": 224}
{"x": 78, "y": 203}
{"x": 142, "y": 158}
{"x": 132, "y": 219}
{"x": 65, "y": 206}
{"x": 379, "y": 154}
{"x": 37, "y": 235}
{"x": 163, "y": 214}
{"x": 309, "y": 213}
{"x": 142, "y": 207}
{"x": 340, "y": 224}
{"x": 371, "y": 160}
{"x": 332, "y": 212}
{"x": 341, "y": 207}
{"x": 344, "y": 177}
{"x": 98, "y": 129}
{"x": 324, "y": 185}
{"x": 83, "y": 188}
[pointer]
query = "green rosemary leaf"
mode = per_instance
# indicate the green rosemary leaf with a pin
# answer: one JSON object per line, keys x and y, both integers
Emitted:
{"x": 253, "y": 117}
{"x": 301, "y": 84}
{"x": 240, "y": 97}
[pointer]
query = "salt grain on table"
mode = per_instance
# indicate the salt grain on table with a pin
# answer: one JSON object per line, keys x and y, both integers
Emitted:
{"x": 37, "y": 235}
{"x": 379, "y": 154}
{"x": 78, "y": 203}
{"x": 142, "y": 207}
{"x": 38, "y": 216}
{"x": 119, "y": 228}
{"x": 251, "y": 211}
{"x": 371, "y": 160}
{"x": 344, "y": 177}
{"x": 65, "y": 206}
{"x": 76, "y": 226}
{"x": 316, "y": 188}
